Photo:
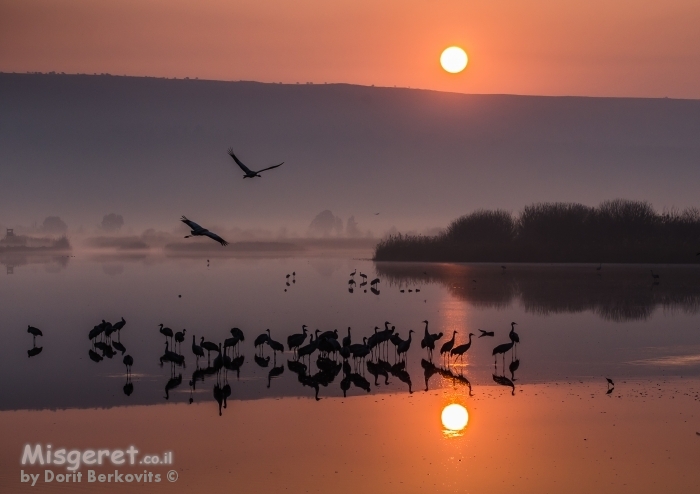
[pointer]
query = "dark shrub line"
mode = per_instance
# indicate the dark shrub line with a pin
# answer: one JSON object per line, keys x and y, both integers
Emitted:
{"x": 619, "y": 231}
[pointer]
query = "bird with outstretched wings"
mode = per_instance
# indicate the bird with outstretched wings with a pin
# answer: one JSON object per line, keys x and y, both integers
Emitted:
{"x": 199, "y": 231}
{"x": 248, "y": 172}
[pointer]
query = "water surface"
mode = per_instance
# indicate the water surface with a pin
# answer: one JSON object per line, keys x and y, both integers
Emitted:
{"x": 546, "y": 426}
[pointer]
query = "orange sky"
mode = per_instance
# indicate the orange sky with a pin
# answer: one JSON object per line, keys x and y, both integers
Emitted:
{"x": 552, "y": 47}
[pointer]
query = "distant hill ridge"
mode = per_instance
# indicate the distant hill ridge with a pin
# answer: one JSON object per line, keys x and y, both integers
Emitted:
{"x": 150, "y": 149}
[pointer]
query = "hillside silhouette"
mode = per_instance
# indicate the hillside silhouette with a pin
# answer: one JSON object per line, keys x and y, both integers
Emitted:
{"x": 151, "y": 149}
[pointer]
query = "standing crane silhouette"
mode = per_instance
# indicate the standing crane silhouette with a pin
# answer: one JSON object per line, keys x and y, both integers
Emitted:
{"x": 460, "y": 350}
{"x": 447, "y": 347}
{"x": 260, "y": 341}
{"x": 117, "y": 326}
{"x": 179, "y": 338}
{"x": 275, "y": 345}
{"x": 514, "y": 336}
{"x": 197, "y": 350}
{"x": 402, "y": 348}
{"x": 209, "y": 347}
{"x": 248, "y": 172}
{"x": 429, "y": 340}
{"x": 347, "y": 340}
{"x": 128, "y": 362}
{"x": 296, "y": 340}
{"x": 502, "y": 349}
{"x": 34, "y": 332}
{"x": 167, "y": 332}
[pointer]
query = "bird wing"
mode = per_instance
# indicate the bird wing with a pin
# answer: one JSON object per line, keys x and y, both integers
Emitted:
{"x": 190, "y": 223}
{"x": 216, "y": 237}
{"x": 270, "y": 167}
{"x": 238, "y": 162}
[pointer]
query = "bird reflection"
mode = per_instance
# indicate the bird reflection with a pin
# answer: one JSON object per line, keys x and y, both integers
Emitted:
{"x": 172, "y": 357}
{"x": 262, "y": 362}
{"x": 222, "y": 390}
{"x": 429, "y": 370}
{"x": 611, "y": 385}
{"x": 94, "y": 356}
{"x": 172, "y": 383}
{"x": 359, "y": 381}
{"x": 118, "y": 346}
{"x": 399, "y": 370}
{"x": 377, "y": 370}
{"x": 504, "y": 381}
{"x": 128, "y": 361}
{"x": 456, "y": 379}
{"x": 274, "y": 372}
{"x": 129, "y": 386}
{"x": 512, "y": 368}
{"x": 34, "y": 351}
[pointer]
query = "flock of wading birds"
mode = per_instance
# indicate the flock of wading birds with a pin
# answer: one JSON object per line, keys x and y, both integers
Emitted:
{"x": 333, "y": 355}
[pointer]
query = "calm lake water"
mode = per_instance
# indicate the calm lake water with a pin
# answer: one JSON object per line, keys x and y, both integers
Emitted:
{"x": 540, "y": 419}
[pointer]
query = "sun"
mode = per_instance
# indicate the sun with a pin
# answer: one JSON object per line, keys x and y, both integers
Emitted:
{"x": 454, "y": 59}
{"x": 454, "y": 417}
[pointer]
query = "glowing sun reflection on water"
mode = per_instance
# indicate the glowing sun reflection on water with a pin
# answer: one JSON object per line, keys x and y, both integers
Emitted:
{"x": 454, "y": 419}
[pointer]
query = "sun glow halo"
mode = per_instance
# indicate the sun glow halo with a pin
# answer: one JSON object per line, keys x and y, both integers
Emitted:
{"x": 454, "y": 417}
{"x": 453, "y": 59}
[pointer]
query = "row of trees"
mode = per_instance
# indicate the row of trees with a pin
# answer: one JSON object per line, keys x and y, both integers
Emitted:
{"x": 55, "y": 225}
{"x": 326, "y": 224}
{"x": 615, "y": 231}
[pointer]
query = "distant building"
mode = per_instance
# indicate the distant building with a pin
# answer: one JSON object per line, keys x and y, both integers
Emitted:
{"x": 12, "y": 240}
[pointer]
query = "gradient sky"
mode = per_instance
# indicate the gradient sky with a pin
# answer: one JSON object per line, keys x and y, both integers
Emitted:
{"x": 647, "y": 48}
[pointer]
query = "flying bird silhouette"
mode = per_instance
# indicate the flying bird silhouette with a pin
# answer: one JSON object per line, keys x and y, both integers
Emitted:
{"x": 199, "y": 231}
{"x": 248, "y": 172}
